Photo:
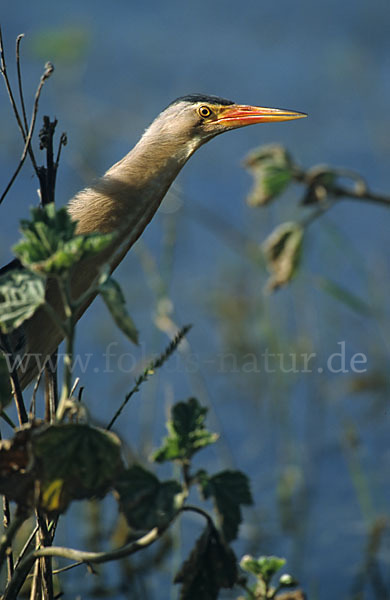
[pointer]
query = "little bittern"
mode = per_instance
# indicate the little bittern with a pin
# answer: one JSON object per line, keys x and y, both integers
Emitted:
{"x": 127, "y": 196}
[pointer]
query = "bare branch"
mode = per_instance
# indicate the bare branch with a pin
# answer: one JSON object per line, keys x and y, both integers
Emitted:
{"x": 63, "y": 142}
{"x": 364, "y": 195}
{"x": 9, "y": 534}
{"x": 80, "y": 556}
{"x": 46, "y": 74}
{"x": 20, "y": 407}
{"x": 26, "y": 546}
{"x": 155, "y": 364}
{"x": 32, "y": 410}
{"x": 200, "y": 511}
{"x": 4, "y": 73}
{"x": 8, "y": 546}
{"x": 18, "y": 68}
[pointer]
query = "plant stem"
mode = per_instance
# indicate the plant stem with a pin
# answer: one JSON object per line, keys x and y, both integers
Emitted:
{"x": 20, "y": 407}
{"x": 8, "y": 535}
{"x": 21, "y": 572}
{"x": 7, "y": 544}
{"x": 155, "y": 364}
{"x": 70, "y": 322}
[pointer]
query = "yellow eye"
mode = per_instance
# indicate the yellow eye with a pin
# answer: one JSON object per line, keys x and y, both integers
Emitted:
{"x": 204, "y": 111}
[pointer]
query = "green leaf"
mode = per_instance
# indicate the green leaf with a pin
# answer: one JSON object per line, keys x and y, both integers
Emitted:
{"x": 47, "y": 228}
{"x": 282, "y": 250}
{"x": 210, "y": 567}
{"x": 263, "y": 567}
{"x": 272, "y": 169}
{"x": 74, "y": 461}
{"x": 50, "y": 244}
{"x": 73, "y": 251}
{"x": 116, "y": 304}
{"x": 21, "y": 294}
{"x": 229, "y": 490}
{"x": 146, "y": 501}
{"x": 187, "y": 432}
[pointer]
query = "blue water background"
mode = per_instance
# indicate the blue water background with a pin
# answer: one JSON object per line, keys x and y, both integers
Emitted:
{"x": 328, "y": 59}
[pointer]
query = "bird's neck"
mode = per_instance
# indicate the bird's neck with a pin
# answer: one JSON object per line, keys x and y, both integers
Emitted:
{"x": 130, "y": 192}
{"x": 125, "y": 199}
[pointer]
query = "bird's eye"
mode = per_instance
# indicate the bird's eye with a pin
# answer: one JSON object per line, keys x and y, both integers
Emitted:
{"x": 204, "y": 111}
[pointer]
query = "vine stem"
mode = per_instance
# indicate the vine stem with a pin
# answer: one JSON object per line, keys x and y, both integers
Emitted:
{"x": 82, "y": 557}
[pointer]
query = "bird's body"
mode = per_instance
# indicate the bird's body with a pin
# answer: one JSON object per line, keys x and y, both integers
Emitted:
{"x": 125, "y": 199}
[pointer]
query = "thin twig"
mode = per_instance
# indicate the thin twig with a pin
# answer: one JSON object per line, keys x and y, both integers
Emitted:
{"x": 20, "y": 407}
{"x": 338, "y": 194}
{"x": 26, "y": 546}
{"x": 200, "y": 511}
{"x": 362, "y": 195}
{"x": 32, "y": 410}
{"x": 8, "y": 536}
{"x": 26, "y": 564}
{"x": 62, "y": 143}
{"x": 360, "y": 192}
{"x": 11, "y": 96}
{"x": 46, "y": 566}
{"x": 3, "y": 67}
{"x": 69, "y": 342}
{"x": 36, "y": 583}
{"x": 69, "y": 567}
{"x": 20, "y": 86}
{"x": 46, "y": 74}
{"x": 188, "y": 508}
{"x": 155, "y": 364}
{"x": 74, "y": 386}
{"x": 8, "y": 549}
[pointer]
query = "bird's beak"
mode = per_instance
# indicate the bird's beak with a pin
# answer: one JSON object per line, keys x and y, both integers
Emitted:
{"x": 239, "y": 115}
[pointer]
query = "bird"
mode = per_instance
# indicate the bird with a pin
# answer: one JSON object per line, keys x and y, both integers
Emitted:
{"x": 125, "y": 199}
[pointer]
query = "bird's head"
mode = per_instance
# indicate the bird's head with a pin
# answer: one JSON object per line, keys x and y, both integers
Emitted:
{"x": 186, "y": 124}
{"x": 199, "y": 117}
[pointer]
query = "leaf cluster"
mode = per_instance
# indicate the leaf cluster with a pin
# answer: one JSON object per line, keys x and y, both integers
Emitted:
{"x": 52, "y": 465}
{"x": 273, "y": 170}
{"x": 50, "y": 248}
{"x": 264, "y": 570}
{"x": 49, "y": 466}
{"x": 187, "y": 433}
{"x": 50, "y": 245}
{"x": 211, "y": 564}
